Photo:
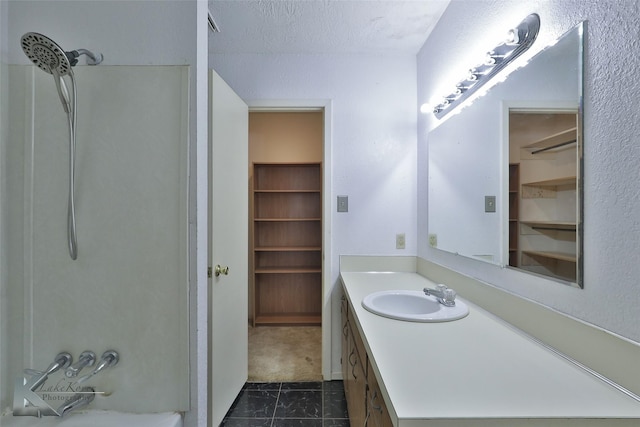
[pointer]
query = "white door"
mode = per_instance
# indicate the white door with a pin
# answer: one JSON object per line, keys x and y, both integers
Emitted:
{"x": 228, "y": 243}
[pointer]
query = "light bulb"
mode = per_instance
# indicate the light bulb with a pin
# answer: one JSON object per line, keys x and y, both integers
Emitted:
{"x": 491, "y": 58}
{"x": 513, "y": 36}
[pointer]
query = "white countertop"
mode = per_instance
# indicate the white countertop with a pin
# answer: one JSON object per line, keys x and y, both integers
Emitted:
{"x": 476, "y": 369}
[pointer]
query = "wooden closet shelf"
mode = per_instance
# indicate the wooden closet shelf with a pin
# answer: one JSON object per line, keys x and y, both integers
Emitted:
{"x": 552, "y": 255}
{"x": 550, "y": 225}
{"x": 560, "y": 140}
{"x": 569, "y": 180}
{"x": 289, "y": 319}
{"x": 287, "y": 270}
{"x": 286, "y": 219}
{"x": 287, "y": 248}
{"x": 287, "y": 191}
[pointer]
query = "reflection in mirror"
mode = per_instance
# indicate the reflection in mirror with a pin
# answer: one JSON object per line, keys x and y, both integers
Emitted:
{"x": 490, "y": 149}
{"x": 543, "y": 192}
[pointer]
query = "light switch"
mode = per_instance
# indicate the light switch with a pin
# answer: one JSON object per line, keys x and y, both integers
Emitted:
{"x": 343, "y": 203}
{"x": 489, "y": 203}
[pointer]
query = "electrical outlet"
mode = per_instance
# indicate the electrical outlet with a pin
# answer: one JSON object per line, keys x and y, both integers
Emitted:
{"x": 433, "y": 240}
{"x": 400, "y": 243}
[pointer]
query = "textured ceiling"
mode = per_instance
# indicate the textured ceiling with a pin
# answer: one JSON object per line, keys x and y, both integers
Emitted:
{"x": 322, "y": 26}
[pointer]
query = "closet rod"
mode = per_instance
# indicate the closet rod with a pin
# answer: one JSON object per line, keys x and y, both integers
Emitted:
{"x": 551, "y": 147}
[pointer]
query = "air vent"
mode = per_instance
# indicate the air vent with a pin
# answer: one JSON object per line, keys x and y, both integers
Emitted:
{"x": 212, "y": 24}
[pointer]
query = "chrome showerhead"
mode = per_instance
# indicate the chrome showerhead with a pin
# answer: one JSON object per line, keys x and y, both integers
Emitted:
{"x": 46, "y": 54}
{"x": 49, "y": 57}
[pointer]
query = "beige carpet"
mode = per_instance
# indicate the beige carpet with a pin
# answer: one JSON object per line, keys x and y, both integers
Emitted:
{"x": 285, "y": 353}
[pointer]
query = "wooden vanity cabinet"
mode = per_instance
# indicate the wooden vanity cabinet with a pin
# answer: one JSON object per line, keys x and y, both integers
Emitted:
{"x": 364, "y": 399}
{"x": 377, "y": 414}
{"x": 354, "y": 367}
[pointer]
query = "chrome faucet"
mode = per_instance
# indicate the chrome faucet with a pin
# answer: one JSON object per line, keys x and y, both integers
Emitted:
{"x": 25, "y": 400}
{"x": 87, "y": 358}
{"x": 61, "y": 361}
{"x": 78, "y": 400}
{"x": 109, "y": 358}
{"x": 443, "y": 294}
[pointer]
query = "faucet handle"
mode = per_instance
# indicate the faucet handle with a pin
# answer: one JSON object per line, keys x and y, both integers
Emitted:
{"x": 109, "y": 358}
{"x": 62, "y": 361}
{"x": 449, "y": 297}
{"x": 87, "y": 358}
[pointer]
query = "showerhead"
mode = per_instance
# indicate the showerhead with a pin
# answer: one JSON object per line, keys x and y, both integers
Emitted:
{"x": 46, "y": 54}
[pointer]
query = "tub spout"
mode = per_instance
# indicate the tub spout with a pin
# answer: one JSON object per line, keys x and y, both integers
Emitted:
{"x": 78, "y": 400}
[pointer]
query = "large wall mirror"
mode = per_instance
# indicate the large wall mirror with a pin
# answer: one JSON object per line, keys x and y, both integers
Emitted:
{"x": 505, "y": 173}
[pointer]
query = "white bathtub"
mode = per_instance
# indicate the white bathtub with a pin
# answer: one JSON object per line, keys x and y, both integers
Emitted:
{"x": 96, "y": 418}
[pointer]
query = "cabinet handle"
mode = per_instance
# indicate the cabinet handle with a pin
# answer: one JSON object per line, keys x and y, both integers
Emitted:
{"x": 373, "y": 399}
{"x": 353, "y": 351}
{"x": 354, "y": 363}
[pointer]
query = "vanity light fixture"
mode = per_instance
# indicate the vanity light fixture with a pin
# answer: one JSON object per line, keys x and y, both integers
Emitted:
{"x": 518, "y": 40}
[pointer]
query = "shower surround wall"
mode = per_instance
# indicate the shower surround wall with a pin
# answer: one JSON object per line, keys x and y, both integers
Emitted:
{"x": 128, "y": 289}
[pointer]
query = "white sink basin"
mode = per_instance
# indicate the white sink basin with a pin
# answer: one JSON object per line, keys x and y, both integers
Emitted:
{"x": 412, "y": 306}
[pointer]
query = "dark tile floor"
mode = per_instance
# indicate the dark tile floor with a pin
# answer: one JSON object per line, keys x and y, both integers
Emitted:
{"x": 305, "y": 404}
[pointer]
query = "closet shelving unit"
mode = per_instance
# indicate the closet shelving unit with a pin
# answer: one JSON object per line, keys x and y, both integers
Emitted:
{"x": 557, "y": 263}
{"x": 514, "y": 213}
{"x": 287, "y": 243}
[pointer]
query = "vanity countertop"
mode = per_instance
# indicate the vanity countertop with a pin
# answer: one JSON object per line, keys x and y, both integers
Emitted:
{"x": 476, "y": 371}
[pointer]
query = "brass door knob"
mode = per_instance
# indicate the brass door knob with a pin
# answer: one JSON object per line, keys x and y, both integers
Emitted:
{"x": 221, "y": 270}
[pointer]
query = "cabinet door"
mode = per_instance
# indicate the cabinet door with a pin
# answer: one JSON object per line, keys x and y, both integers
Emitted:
{"x": 357, "y": 381}
{"x": 377, "y": 414}
{"x": 344, "y": 353}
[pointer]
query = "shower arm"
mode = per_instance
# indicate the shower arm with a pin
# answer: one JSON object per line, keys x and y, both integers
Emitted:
{"x": 92, "y": 59}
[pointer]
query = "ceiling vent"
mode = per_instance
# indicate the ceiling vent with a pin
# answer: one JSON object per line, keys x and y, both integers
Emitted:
{"x": 212, "y": 24}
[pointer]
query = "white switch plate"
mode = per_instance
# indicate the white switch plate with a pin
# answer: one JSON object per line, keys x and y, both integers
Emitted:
{"x": 400, "y": 241}
{"x": 343, "y": 203}
{"x": 489, "y": 203}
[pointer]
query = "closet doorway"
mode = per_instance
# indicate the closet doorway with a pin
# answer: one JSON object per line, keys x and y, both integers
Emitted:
{"x": 285, "y": 245}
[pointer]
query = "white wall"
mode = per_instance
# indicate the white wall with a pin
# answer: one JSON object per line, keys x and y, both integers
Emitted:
{"x": 610, "y": 298}
{"x": 373, "y": 142}
{"x": 5, "y": 383}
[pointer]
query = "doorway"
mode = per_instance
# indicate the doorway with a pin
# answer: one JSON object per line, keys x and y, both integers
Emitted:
{"x": 286, "y": 245}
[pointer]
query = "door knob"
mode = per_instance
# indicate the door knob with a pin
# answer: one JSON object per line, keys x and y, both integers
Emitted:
{"x": 221, "y": 270}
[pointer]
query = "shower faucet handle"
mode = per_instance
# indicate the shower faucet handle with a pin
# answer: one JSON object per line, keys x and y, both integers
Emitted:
{"x": 87, "y": 358}
{"x": 109, "y": 358}
{"x": 62, "y": 361}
